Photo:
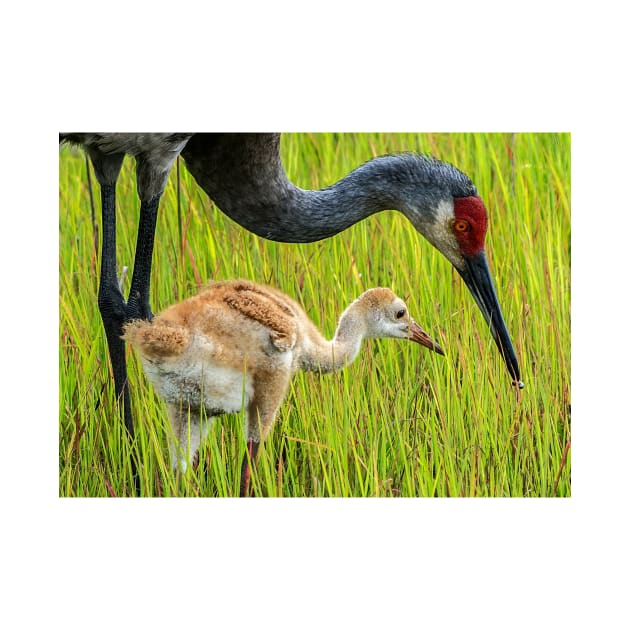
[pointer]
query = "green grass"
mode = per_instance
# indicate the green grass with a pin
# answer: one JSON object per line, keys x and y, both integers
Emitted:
{"x": 400, "y": 421}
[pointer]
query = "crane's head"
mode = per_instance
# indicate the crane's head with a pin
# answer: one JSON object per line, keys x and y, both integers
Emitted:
{"x": 444, "y": 206}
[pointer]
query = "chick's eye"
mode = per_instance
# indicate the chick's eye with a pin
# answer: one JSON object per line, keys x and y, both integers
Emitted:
{"x": 460, "y": 225}
{"x": 400, "y": 313}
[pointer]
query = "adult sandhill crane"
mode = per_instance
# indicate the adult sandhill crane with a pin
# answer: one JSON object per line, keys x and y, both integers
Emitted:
{"x": 244, "y": 176}
{"x": 236, "y": 344}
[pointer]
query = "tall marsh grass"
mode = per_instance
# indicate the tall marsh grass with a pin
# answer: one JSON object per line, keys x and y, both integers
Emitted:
{"x": 399, "y": 422}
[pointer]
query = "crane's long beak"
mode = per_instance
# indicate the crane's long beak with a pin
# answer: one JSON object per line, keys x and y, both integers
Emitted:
{"x": 420, "y": 336}
{"x": 477, "y": 277}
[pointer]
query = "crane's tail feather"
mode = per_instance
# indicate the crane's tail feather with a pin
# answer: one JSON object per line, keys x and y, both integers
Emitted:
{"x": 158, "y": 338}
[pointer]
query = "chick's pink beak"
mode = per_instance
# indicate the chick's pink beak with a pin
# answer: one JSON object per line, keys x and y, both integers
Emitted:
{"x": 420, "y": 336}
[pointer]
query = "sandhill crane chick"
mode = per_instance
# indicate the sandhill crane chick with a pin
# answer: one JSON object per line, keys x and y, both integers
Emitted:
{"x": 238, "y": 343}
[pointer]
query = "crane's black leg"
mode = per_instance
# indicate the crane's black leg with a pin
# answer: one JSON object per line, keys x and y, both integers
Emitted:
{"x": 152, "y": 174}
{"x": 138, "y": 305}
{"x": 112, "y": 304}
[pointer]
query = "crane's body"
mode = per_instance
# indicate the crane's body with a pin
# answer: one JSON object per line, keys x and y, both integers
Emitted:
{"x": 243, "y": 174}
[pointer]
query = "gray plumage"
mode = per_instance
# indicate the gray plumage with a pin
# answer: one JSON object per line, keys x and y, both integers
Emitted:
{"x": 243, "y": 174}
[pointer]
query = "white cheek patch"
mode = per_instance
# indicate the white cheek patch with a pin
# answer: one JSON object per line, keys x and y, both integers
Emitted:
{"x": 436, "y": 228}
{"x": 445, "y": 211}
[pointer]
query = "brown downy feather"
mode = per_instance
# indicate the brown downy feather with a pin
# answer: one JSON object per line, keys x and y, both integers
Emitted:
{"x": 159, "y": 338}
{"x": 263, "y": 307}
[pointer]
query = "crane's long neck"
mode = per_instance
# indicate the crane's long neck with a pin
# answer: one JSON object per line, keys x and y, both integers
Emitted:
{"x": 320, "y": 355}
{"x": 244, "y": 176}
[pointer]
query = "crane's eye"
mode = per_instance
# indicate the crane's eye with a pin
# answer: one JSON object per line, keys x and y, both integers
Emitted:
{"x": 401, "y": 313}
{"x": 461, "y": 225}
